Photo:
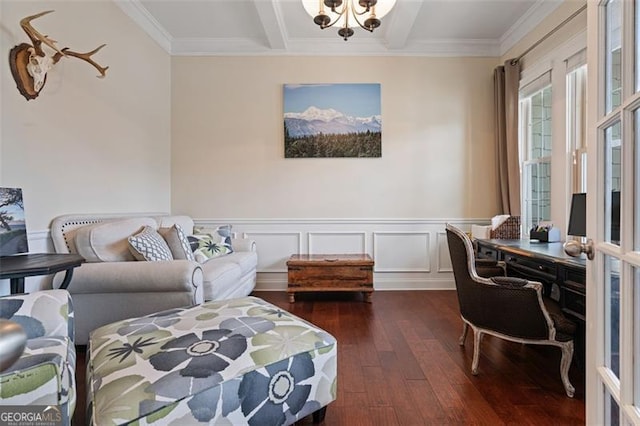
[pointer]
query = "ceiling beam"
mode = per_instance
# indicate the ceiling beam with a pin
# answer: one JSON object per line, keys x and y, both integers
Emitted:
{"x": 135, "y": 10}
{"x": 401, "y": 22}
{"x": 270, "y": 14}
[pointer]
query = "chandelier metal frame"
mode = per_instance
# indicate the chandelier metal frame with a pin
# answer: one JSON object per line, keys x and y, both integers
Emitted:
{"x": 347, "y": 9}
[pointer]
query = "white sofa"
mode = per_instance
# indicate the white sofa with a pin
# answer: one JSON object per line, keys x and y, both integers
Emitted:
{"x": 117, "y": 286}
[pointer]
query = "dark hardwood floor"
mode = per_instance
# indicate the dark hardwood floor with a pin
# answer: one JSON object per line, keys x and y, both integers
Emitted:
{"x": 399, "y": 363}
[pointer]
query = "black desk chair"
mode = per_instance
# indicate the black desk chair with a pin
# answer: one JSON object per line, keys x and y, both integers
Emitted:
{"x": 509, "y": 308}
{"x": 488, "y": 268}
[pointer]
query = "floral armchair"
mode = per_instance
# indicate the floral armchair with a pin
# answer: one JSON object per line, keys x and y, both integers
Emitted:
{"x": 45, "y": 373}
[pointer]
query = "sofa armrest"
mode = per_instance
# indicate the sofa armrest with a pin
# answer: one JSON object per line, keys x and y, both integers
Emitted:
{"x": 41, "y": 314}
{"x": 243, "y": 244}
{"x": 137, "y": 277}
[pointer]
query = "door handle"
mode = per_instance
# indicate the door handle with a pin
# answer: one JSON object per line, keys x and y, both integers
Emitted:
{"x": 574, "y": 248}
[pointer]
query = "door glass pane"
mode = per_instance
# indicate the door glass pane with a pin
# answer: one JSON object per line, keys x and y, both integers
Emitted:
{"x": 613, "y": 54}
{"x": 637, "y": 40}
{"x": 611, "y": 411}
{"x": 576, "y": 126}
{"x": 613, "y": 183}
{"x": 636, "y": 337}
{"x": 636, "y": 207}
{"x": 612, "y": 314}
{"x": 582, "y": 167}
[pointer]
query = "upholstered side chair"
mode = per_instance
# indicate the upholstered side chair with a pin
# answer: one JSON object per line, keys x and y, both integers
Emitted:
{"x": 510, "y": 308}
{"x": 44, "y": 371}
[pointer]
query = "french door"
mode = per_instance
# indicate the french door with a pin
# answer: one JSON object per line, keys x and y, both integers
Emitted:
{"x": 613, "y": 213}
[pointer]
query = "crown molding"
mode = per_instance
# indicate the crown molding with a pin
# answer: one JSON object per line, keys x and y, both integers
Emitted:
{"x": 457, "y": 47}
{"x": 223, "y": 47}
{"x": 141, "y": 16}
{"x": 333, "y": 47}
{"x": 527, "y": 23}
{"x": 278, "y": 42}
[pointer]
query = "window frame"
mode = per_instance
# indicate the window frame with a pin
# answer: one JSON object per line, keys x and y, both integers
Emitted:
{"x": 558, "y": 61}
{"x": 528, "y": 161}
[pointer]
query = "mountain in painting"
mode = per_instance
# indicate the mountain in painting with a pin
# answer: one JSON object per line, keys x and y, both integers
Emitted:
{"x": 314, "y": 121}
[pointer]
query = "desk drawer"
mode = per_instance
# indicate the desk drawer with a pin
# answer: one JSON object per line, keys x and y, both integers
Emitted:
{"x": 485, "y": 252}
{"x": 575, "y": 277}
{"x": 534, "y": 270}
{"x": 574, "y": 302}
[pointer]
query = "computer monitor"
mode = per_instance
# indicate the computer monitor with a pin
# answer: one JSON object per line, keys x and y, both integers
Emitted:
{"x": 615, "y": 217}
{"x": 578, "y": 215}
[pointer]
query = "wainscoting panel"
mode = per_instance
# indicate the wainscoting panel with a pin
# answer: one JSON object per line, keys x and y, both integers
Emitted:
{"x": 275, "y": 248}
{"x": 337, "y": 242}
{"x": 409, "y": 254}
{"x": 444, "y": 260}
{"x": 401, "y": 251}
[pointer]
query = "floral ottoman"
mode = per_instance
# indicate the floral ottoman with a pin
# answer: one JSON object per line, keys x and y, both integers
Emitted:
{"x": 231, "y": 362}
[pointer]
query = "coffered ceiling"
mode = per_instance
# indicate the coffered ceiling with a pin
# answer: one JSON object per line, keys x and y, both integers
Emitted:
{"x": 282, "y": 27}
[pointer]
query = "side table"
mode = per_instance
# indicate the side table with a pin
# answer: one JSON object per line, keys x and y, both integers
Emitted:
{"x": 16, "y": 268}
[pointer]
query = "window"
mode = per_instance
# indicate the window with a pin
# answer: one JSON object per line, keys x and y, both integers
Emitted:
{"x": 535, "y": 144}
{"x": 576, "y": 125}
{"x": 553, "y": 108}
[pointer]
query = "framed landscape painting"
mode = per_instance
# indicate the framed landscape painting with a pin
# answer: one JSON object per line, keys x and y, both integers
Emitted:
{"x": 332, "y": 120}
{"x": 13, "y": 230}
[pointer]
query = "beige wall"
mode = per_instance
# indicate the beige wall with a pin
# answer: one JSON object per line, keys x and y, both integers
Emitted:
{"x": 437, "y": 144}
{"x": 85, "y": 144}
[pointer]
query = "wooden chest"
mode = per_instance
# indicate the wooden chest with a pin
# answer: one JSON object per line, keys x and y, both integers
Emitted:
{"x": 330, "y": 272}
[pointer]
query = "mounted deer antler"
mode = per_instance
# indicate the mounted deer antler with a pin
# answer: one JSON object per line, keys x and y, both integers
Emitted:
{"x": 30, "y": 63}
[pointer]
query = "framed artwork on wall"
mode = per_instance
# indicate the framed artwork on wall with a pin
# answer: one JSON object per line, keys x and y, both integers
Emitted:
{"x": 332, "y": 120}
{"x": 13, "y": 229}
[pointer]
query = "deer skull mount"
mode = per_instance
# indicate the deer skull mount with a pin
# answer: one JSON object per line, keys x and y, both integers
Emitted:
{"x": 30, "y": 62}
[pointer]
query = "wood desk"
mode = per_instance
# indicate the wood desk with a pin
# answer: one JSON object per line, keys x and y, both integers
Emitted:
{"x": 563, "y": 276}
{"x": 16, "y": 268}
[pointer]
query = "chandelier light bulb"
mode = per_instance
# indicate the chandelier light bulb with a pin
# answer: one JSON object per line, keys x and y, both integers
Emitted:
{"x": 348, "y": 14}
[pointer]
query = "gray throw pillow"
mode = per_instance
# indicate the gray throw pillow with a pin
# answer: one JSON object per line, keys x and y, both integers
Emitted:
{"x": 149, "y": 245}
{"x": 177, "y": 241}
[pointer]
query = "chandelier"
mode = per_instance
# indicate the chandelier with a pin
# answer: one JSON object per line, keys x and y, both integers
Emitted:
{"x": 347, "y": 15}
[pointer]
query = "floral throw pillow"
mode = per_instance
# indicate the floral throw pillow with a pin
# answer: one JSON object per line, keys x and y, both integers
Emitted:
{"x": 215, "y": 244}
{"x": 149, "y": 245}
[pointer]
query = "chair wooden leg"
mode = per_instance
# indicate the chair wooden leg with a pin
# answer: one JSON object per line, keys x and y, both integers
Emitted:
{"x": 477, "y": 338}
{"x": 565, "y": 363}
{"x": 465, "y": 329}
